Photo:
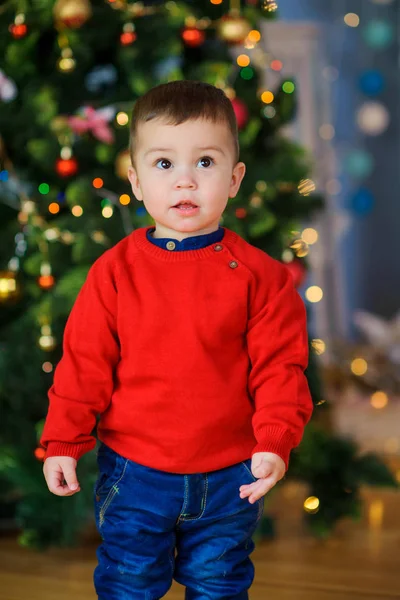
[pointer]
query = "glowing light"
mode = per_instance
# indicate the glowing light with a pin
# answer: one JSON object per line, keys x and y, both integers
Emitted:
{"x": 359, "y": 366}
{"x": 311, "y": 505}
{"x": 243, "y": 60}
{"x": 267, "y": 97}
{"x": 54, "y": 208}
{"x": 44, "y": 188}
{"x": 216, "y": 1}
{"x": 98, "y": 183}
{"x": 276, "y": 65}
{"x": 375, "y": 513}
{"x": 124, "y": 199}
{"x": 269, "y": 112}
{"x": 379, "y": 400}
{"x": 47, "y": 367}
{"x": 288, "y": 87}
{"x": 314, "y": 293}
{"x": 352, "y": 20}
{"x": 122, "y": 118}
{"x": 254, "y": 36}
{"x": 77, "y": 210}
{"x": 247, "y": 73}
{"x": 107, "y": 212}
{"x": 319, "y": 346}
{"x": 306, "y": 186}
{"x": 310, "y": 236}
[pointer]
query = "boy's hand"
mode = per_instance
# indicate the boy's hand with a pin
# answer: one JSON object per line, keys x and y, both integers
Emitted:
{"x": 56, "y": 469}
{"x": 269, "y": 468}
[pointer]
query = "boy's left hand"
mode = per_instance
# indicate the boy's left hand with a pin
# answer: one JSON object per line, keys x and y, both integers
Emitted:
{"x": 269, "y": 468}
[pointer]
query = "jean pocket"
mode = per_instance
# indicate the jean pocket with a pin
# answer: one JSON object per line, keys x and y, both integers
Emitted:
{"x": 247, "y": 467}
{"x": 112, "y": 468}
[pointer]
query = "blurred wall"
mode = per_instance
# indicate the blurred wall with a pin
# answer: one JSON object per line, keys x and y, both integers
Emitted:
{"x": 370, "y": 248}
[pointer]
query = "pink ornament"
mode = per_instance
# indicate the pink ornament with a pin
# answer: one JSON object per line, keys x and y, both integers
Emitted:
{"x": 95, "y": 121}
{"x": 241, "y": 112}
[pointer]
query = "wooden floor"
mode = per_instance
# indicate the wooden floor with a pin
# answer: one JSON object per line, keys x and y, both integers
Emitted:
{"x": 359, "y": 562}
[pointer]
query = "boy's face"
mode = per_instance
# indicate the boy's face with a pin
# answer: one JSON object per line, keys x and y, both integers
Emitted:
{"x": 193, "y": 161}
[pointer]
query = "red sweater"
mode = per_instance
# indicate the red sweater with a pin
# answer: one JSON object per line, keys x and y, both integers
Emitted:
{"x": 194, "y": 360}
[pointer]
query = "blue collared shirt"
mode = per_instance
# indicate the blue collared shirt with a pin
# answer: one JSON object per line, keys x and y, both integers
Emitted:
{"x": 191, "y": 243}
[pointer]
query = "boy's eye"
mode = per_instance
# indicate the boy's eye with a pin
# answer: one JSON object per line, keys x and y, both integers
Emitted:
{"x": 206, "y": 161}
{"x": 165, "y": 164}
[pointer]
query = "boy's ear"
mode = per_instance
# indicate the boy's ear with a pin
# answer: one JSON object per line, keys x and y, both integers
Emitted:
{"x": 237, "y": 175}
{"x": 134, "y": 181}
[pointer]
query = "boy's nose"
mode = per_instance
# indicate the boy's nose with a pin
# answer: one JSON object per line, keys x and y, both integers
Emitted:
{"x": 185, "y": 181}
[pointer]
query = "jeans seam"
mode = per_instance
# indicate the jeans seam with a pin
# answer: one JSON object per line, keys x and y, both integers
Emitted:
{"x": 110, "y": 496}
{"x": 249, "y": 472}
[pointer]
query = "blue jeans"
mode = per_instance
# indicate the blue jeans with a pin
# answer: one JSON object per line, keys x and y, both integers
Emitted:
{"x": 159, "y": 526}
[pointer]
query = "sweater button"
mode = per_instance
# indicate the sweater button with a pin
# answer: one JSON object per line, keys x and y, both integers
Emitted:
{"x": 218, "y": 248}
{"x": 171, "y": 245}
{"x": 233, "y": 264}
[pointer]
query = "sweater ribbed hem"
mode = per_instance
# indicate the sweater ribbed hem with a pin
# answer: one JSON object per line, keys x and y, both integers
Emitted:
{"x": 142, "y": 243}
{"x": 276, "y": 440}
{"x": 69, "y": 449}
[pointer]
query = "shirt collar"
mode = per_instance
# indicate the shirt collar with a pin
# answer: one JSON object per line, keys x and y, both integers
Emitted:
{"x": 191, "y": 243}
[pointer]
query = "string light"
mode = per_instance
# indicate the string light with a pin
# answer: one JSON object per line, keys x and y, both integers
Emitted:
{"x": 379, "y": 400}
{"x": 311, "y": 505}
{"x": 98, "y": 183}
{"x": 54, "y": 208}
{"x": 359, "y": 366}
{"x": 314, "y": 293}
{"x": 243, "y": 60}
{"x": 276, "y": 65}
{"x": 77, "y": 210}
{"x": 310, "y": 236}
{"x": 122, "y": 118}
{"x": 267, "y": 97}
{"x": 124, "y": 199}
{"x": 44, "y": 188}
{"x": 318, "y": 346}
{"x": 107, "y": 212}
{"x": 352, "y": 20}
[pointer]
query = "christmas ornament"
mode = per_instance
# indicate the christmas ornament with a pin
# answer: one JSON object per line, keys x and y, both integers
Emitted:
{"x": 8, "y": 89}
{"x": 193, "y": 37}
{"x": 233, "y": 28}
{"x": 128, "y": 36}
{"x": 94, "y": 121}
{"x": 269, "y": 5}
{"x": 72, "y": 13}
{"x": 241, "y": 111}
{"x": 298, "y": 271}
{"x": 66, "y": 166}
{"x": 19, "y": 29}
{"x": 9, "y": 287}
{"x": 122, "y": 164}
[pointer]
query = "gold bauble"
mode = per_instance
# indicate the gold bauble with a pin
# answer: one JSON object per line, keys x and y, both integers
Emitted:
{"x": 72, "y": 13}
{"x": 122, "y": 164}
{"x": 233, "y": 29}
{"x": 10, "y": 289}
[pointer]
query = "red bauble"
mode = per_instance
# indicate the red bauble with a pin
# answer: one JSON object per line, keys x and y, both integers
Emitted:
{"x": 298, "y": 272}
{"x": 66, "y": 167}
{"x": 193, "y": 37}
{"x": 127, "y": 38}
{"x": 18, "y": 31}
{"x": 241, "y": 112}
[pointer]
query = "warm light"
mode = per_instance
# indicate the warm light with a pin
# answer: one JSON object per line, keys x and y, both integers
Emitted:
{"x": 98, "y": 183}
{"x": 254, "y": 36}
{"x": 319, "y": 346}
{"x": 7, "y": 286}
{"x": 124, "y": 199}
{"x": 359, "y": 366}
{"x": 314, "y": 293}
{"x": 107, "y": 212}
{"x": 216, "y": 1}
{"x": 310, "y": 236}
{"x": 379, "y": 400}
{"x": 267, "y": 97}
{"x": 392, "y": 445}
{"x": 77, "y": 210}
{"x": 311, "y": 505}
{"x": 375, "y": 513}
{"x": 276, "y": 65}
{"x": 122, "y": 118}
{"x": 47, "y": 367}
{"x": 352, "y": 20}
{"x": 261, "y": 185}
{"x": 54, "y": 208}
{"x": 327, "y": 132}
{"x": 243, "y": 60}
{"x": 306, "y": 186}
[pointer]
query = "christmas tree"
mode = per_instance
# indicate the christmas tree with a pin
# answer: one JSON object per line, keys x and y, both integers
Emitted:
{"x": 70, "y": 72}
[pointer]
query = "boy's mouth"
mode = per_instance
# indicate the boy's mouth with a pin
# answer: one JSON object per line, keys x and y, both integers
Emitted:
{"x": 185, "y": 204}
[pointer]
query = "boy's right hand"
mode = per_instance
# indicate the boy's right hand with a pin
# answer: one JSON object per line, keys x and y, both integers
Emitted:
{"x": 56, "y": 469}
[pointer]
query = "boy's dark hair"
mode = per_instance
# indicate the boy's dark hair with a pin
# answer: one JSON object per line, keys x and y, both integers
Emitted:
{"x": 179, "y": 101}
